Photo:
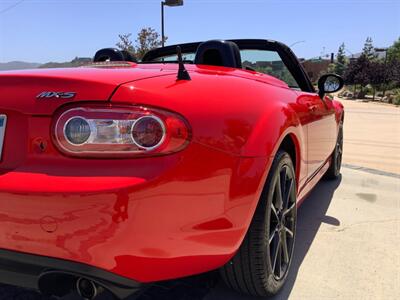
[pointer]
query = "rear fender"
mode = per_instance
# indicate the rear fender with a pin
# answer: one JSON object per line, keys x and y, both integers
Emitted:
{"x": 267, "y": 137}
{"x": 270, "y": 130}
{"x": 339, "y": 110}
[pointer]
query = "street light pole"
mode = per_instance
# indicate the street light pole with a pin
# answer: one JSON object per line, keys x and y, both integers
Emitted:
{"x": 162, "y": 24}
{"x": 295, "y": 43}
{"x": 167, "y": 3}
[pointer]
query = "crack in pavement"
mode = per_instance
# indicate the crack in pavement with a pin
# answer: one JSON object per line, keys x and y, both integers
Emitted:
{"x": 371, "y": 171}
{"x": 332, "y": 229}
{"x": 341, "y": 229}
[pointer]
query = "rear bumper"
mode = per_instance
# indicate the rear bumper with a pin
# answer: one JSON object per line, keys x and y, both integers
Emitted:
{"x": 28, "y": 271}
{"x": 147, "y": 219}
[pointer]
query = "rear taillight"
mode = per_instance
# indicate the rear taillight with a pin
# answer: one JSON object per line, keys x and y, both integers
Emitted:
{"x": 119, "y": 132}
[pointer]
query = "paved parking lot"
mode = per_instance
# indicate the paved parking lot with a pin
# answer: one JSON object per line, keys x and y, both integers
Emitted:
{"x": 372, "y": 136}
{"x": 349, "y": 229}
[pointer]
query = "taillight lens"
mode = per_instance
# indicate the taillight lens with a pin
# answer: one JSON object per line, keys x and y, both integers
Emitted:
{"x": 148, "y": 132}
{"x": 119, "y": 131}
{"x": 77, "y": 131}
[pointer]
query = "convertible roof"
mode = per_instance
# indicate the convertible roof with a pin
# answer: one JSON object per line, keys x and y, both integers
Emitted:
{"x": 192, "y": 47}
{"x": 287, "y": 56}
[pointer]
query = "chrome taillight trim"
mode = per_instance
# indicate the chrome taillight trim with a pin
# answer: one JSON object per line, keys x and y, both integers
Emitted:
{"x": 164, "y": 131}
{"x": 3, "y": 119}
{"x": 141, "y": 150}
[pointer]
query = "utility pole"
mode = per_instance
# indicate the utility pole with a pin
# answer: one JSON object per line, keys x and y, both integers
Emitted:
{"x": 163, "y": 4}
{"x": 162, "y": 24}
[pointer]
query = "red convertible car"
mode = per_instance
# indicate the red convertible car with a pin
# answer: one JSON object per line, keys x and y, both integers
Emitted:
{"x": 124, "y": 173}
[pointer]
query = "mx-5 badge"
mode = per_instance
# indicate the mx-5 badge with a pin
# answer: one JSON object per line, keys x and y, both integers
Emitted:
{"x": 56, "y": 95}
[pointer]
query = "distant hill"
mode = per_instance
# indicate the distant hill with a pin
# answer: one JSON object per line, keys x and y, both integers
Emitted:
{"x": 380, "y": 55}
{"x": 18, "y": 65}
{"x": 76, "y": 62}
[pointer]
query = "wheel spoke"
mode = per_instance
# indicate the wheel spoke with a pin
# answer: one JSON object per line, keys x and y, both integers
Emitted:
{"x": 289, "y": 232}
{"x": 288, "y": 191}
{"x": 274, "y": 210}
{"x": 278, "y": 192}
{"x": 275, "y": 255}
{"x": 288, "y": 210}
{"x": 283, "y": 175}
{"x": 272, "y": 236}
{"x": 285, "y": 248}
{"x": 277, "y": 260}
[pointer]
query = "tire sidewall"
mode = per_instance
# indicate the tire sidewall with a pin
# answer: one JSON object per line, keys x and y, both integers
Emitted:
{"x": 271, "y": 283}
{"x": 336, "y": 157}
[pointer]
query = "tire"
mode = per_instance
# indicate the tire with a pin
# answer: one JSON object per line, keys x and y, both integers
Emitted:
{"x": 336, "y": 158}
{"x": 254, "y": 269}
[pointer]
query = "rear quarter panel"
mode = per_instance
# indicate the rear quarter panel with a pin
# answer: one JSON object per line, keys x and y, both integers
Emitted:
{"x": 339, "y": 110}
{"x": 240, "y": 116}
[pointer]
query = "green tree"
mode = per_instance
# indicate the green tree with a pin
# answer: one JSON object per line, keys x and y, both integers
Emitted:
{"x": 376, "y": 75}
{"x": 357, "y": 73}
{"x": 368, "y": 49}
{"x": 394, "y": 51}
{"x": 332, "y": 68}
{"x": 393, "y": 69}
{"x": 147, "y": 39}
{"x": 341, "y": 63}
{"x": 125, "y": 43}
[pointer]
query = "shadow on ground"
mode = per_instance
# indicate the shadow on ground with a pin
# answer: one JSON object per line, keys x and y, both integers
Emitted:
{"x": 311, "y": 215}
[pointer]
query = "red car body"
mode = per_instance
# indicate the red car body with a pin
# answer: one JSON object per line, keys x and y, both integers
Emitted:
{"x": 157, "y": 217}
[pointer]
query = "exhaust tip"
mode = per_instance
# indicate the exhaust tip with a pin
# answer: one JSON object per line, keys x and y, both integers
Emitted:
{"x": 61, "y": 284}
{"x": 86, "y": 288}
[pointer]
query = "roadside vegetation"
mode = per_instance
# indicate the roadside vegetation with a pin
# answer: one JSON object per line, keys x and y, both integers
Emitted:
{"x": 370, "y": 76}
{"x": 146, "y": 39}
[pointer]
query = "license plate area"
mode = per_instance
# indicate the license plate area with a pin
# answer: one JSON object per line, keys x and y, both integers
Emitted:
{"x": 3, "y": 123}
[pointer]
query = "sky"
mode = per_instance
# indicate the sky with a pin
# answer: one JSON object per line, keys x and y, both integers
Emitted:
{"x": 59, "y": 30}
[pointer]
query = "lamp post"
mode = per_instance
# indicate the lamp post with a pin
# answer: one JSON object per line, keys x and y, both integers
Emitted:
{"x": 384, "y": 75}
{"x": 167, "y": 3}
{"x": 295, "y": 43}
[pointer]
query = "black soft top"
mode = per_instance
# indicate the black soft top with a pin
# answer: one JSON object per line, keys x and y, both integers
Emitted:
{"x": 286, "y": 54}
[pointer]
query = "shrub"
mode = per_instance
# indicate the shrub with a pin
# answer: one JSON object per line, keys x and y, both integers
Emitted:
{"x": 396, "y": 97}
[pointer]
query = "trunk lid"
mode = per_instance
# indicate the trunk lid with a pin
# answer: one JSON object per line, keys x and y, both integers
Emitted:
{"x": 20, "y": 90}
{"x": 25, "y": 137}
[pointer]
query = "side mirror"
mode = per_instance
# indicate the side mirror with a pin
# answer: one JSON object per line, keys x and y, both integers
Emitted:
{"x": 329, "y": 83}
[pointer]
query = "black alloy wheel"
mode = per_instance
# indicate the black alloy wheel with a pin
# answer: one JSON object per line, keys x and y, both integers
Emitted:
{"x": 336, "y": 159}
{"x": 339, "y": 148}
{"x": 282, "y": 223}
